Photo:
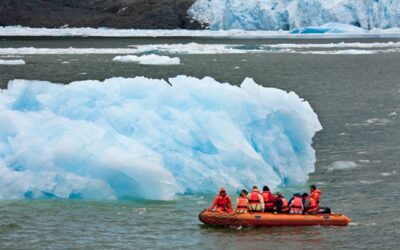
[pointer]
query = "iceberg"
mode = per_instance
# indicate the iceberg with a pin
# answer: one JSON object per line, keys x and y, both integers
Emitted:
{"x": 148, "y": 59}
{"x": 295, "y": 14}
{"x": 141, "y": 138}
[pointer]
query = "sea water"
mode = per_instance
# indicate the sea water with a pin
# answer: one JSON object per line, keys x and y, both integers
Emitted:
{"x": 354, "y": 95}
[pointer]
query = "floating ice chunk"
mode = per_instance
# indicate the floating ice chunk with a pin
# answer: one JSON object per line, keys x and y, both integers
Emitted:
{"x": 150, "y": 139}
{"x": 329, "y": 28}
{"x": 148, "y": 59}
{"x": 342, "y": 165}
{"x": 342, "y": 52}
{"x": 12, "y": 62}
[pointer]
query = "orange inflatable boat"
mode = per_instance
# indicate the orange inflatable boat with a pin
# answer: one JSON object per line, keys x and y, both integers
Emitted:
{"x": 269, "y": 219}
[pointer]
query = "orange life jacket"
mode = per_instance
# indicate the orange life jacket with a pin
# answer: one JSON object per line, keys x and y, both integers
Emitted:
{"x": 297, "y": 202}
{"x": 242, "y": 203}
{"x": 285, "y": 206}
{"x": 269, "y": 199}
{"x": 313, "y": 206}
{"x": 254, "y": 198}
{"x": 316, "y": 194}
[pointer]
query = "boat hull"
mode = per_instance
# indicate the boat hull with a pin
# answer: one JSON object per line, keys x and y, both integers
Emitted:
{"x": 270, "y": 220}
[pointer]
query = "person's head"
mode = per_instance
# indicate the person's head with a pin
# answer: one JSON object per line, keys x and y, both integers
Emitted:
{"x": 297, "y": 194}
{"x": 265, "y": 188}
{"x": 305, "y": 195}
{"x": 255, "y": 187}
{"x": 222, "y": 192}
{"x": 313, "y": 187}
{"x": 278, "y": 194}
{"x": 243, "y": 193}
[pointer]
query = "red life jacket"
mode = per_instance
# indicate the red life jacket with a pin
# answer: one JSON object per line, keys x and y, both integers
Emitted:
{"x": 269, "y": 199}
{"x": 223, "y": 201}
{"x": 316, "y": 194}
{"x": 254, "y": 198}
{"x": 242, "y": 203}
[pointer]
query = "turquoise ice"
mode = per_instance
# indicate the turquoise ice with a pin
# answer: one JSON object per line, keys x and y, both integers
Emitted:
{"x": 295, "y": 14}
{"x": 141, "y": 138}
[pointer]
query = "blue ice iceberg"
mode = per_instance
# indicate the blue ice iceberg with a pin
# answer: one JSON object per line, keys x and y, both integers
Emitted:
{"x": 145, "y": 138}
{"x": 294, "y": 14}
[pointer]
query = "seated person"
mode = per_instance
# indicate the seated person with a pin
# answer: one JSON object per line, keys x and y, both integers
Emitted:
{"x": 242, "y": 203}
{"x": 222, "y": 202}
{"x": 256, "y": 201}
{"x": 296, "y": 204}
{"x": 281, "y": 203}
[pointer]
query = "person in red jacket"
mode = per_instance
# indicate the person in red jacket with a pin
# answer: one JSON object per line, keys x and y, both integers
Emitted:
{"x": 310, "y": 205}
{"x": 269, "y": 199}
{"x": 222, "y": 202}
{"x": 296, "y": 204}
{"x": 256, "y": 201}
{"x": 242, "y": 204}
{"x": 315, "y": 193}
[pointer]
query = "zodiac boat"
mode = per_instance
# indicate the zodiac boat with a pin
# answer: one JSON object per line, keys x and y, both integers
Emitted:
{"x": 270, "y": 219}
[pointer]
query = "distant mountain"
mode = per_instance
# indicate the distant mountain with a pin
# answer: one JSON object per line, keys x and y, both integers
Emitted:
{"x": 139, "y": 14}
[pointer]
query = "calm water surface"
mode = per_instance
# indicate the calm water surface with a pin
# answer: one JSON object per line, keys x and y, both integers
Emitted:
{"x": 356, "y": 97}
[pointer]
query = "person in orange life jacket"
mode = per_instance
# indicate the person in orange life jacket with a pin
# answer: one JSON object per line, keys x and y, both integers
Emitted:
{"x": 296, "y": 204}
{"x": 281, "y": 203}
{"x": 242, "y": 203}
{"x": 222, "y": 201}
{"x": 256, "y": 201}
{"x": 315, "y": 193}
{"x": 269, "y": 199}
{"x": 310, "y": 205}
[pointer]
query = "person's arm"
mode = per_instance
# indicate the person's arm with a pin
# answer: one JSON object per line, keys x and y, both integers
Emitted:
{"x": 279, "y": 205}
{"x": 261, "y": 201}
{"x": 229, "y": 204}
{"x": 290, "y": 202}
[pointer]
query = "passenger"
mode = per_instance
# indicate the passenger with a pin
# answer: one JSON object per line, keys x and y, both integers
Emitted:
{"x": 310, "y": 205}
{"x": 242, "y": 204}
{"x": 296, "y": 204}
{"x": 281, "y": 203}
{"x": 256, "y": 201}
{"x": 315, "y": 193}
{"x": 222, "y": 201}
{"x": 269, "y": 199}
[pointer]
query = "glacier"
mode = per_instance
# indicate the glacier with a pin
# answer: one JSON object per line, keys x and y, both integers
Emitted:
{"x": 141, "y": 138}
{"x": 294, "y": 14}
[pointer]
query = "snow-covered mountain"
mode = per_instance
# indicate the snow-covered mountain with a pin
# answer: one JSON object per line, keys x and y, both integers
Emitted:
{"x": 290, "y": 14}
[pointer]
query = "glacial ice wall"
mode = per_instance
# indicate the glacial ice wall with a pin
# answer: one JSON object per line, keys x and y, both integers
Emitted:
{"x": 290, "y": 14}
{"x": 145, "y": 138}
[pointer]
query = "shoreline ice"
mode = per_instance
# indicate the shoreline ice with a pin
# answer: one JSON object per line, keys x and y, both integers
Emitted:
{"x": 332, "y": 32}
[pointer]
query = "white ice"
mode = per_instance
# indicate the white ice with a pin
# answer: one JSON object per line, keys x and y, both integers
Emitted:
{"x": 198, "y": 48}
{"x": 148, "y": 59}
{"x": 297, "y": 14}
{"x": 329, "y": 30}
{"x": 150, "y": 139}
{"x": 12, "y": 62}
